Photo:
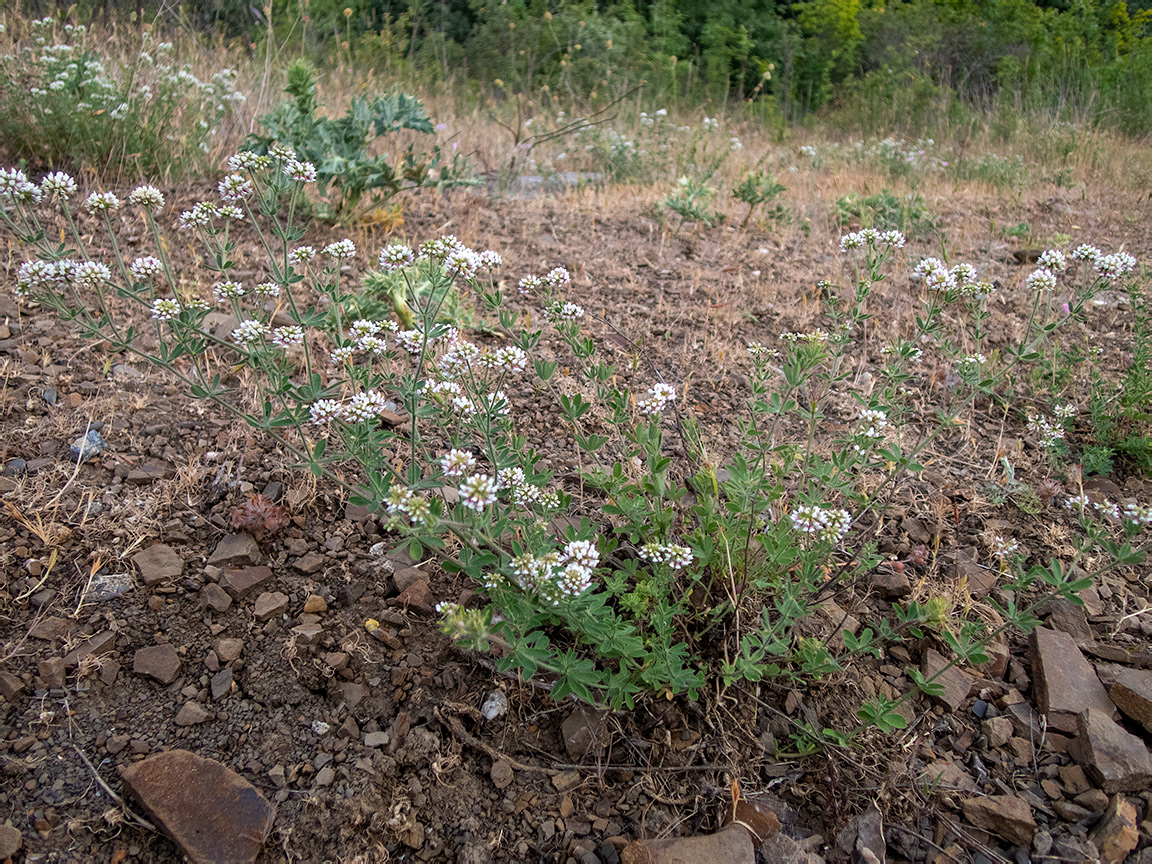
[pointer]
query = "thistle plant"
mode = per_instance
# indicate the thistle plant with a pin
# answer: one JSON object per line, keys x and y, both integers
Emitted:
{"x": 683, "y": 569}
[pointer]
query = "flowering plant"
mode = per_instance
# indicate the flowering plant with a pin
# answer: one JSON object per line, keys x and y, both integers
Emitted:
{"x": 648, "y": 567}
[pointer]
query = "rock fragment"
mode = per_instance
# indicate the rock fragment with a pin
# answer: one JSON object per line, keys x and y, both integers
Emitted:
{"x": 241, "y": 583}
{"x": 1116, "y": 835}
{"x": 158, "y": 563}
{"x": 1066, "y": 683}
{"x": 210, "y": 812}
{"x": 1132, "y": 693}
{"x": 1115, "y": 759}
{"x": 1004, "y": 815}
{"x": 159, "y": 662}
{"x": 235, "y": 549}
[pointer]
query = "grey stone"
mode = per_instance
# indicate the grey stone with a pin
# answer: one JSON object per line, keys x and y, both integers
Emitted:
{"x": 1113, "y": 758}
{"x": 158, "y": 563}
{"x": 87, "y": 446}
{"x": 235, "y": 549}
{"x": 1066, "y": 683}
{"x": 158, "y": 662}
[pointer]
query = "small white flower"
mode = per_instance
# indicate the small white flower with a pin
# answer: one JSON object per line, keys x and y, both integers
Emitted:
{"x": 457, "y": 463}
{"x": 301, "y": 172}
{"x": 396, "y": 256}
{"x": 146, "y": 268}
{"x": 91, "y": 274}
{"x": 266, "y": 289}
{"x": 529, "y": 284}
{"x": 235, "y": 187}
{"x": 1041, "y": 280}
{"x": 148, "y": 197}
{"x": 558, "y": 278}
{"x": 58, "y": 185}
{"x": 477, "y": 492}
{"x": 249, "y": 332}
{"x": 224, "y": 291}
{"x": 301, "y": 255}
{"x": 246, "y": 160}
{"x": 342, "y": 355}
{"x": 165, "y": 309}
{"x": 1053, "y": 260}
{"x": 489, "y": 260}
{"x": 324, "y": 411}
{"x": 851, "y": 241}
{"x": 340, "y": 250}
{"x": 282, "y": 152}
{"x": 1086, "y": 253}
{"x": 101, "y": 202}
{"x": 892, "y": 239}
{"x": 230, "y": 211}
{"x": 291, "y": 334}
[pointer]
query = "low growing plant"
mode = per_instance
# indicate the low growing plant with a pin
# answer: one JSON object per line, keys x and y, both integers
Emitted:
{"x": 673, "y": 571}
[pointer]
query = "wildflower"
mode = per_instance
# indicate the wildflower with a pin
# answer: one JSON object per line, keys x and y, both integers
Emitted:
{"x": 101, "y": 202}
{"x": 198, "y": 217}
{"x": 711, "y": 124}
{"x": 875, "y": 421}
{"x": 558, "y": 278}
{"x": 340, "y": 250}
{"x": 971, "y": 364}
{"x": 510, "y": 478}
{"x": 364, "y": 406}
{"x": 235, "y": 187}
{"x": 282, "y": 152}
{"x": 373, "y": 345}
{"x": 324, "y": 411}
{"x": 246, "y": 160}
{"x": 91, "y": 274}
{"x": 477, "y": 492}
{"x": 249, "y": 332}
{"x": 1077, "y": 502}
{"x": 461, "y": 263}
{"x": 928, "y": 266}
{"x": 1107, "y": 508}
{"x": 395, "y": 257}
{"x": 852, "y": 241}
{"x": 291, "y": 334}
{"x": 1041, "y": 280}
{"x": 1086, "y": 253}
{"x": 529, "y": 284}
{"x": 266, "y": 289}
{"x": 1065, "y": 411}
{"x": 58, "y": 185}
{"x": 808, "y": 519}
{"x": 459, "y": 359}
{"x": 1002, "y": 547}
{"x": 1047, "y": 433}
{"x": 1138, "y": 513}
{"x": 1112, "y": 267}
{"x": 838, "y": 523}
{"x": 410, "y": 340}
{"x": 301, "y": 254}
{"x": 871, "y": 236}
{"x": 658, "y": 396}
{"x": 734, "y": 144}
{"x": 446, "y": 609}
{"x": 756, "y": 349}
{"x": 1053, "y": 260}
{"x": 146, "y": 268}
{"x": 148, "y": 197}
{"x": 507, "y": 359}
{"x": 892, "y": 239}
{"x": 457, "y": 463}
{"x": 165, "y": 309}
{"x": 300, "y": 172}
{"x": 230, "y": 211}
{"x": 559, "y": 311}
{"x": 362, "y": 327}
{"x": 342, "y": 355}
{"x": 583, "y": 553}
{"x": 15, "y": 185}
{"x": 224, "y": 291}
{"x": 489, "y": 260}
{"x": 963, "y": 275}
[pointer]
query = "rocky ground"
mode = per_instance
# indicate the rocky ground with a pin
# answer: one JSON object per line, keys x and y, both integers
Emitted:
{"x": 144, "y": 638}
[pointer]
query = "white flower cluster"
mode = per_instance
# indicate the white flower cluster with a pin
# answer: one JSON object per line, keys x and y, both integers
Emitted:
{"x": 971, "y": 364}
{"x": 396, "y": 256}
{"x": 44, "y": 274}
{"x": 361, "y": 408}
{"x": 14, "y": 186}
{"x": 1065, "y": 411}
{"x": 402, "y": 500}
{"x": 478, "y": 492}
{"x": 250, "y": 332}
{"x": 146, "y": 268}
{"x": 872, "y": 238}
{"x": 1053, "y": 260}
{"x": 1112, "y": 267}
{"x": 674, "y": 555}
{"x": 814, "y": 337}
{"x": 656, "y": 399}
{"x": 1003, "y": 547}
{"x": 1041, "y": 280}
{"x": 757, "y": 349}
{"x": 165, "y": 309}
{"x": 555, "y": 576}
{"x": 340, "y": 250}
{"x": 873, "y": 422}
{"x": 57, "y": 185}
{"x": 829, "y": 525}
{"x": 457, "y": 463}
{"x": 711, "y": 124}
{"x": 1047, "y": 433}
{"x": 146, "y": 196}
{"x": 562, "y": 311}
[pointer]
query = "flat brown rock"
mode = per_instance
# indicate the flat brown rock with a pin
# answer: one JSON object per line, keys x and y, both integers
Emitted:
{"x": 158, "y": 563}
{"x": 731, "y": 845}
{"x": 241, "y": 583}
{"x": 192, "y": 714}
{"x": 210, "y": 812}
{"x": 1132, "y": 693}
{"x": 1116, "y": 760}
{"x": 1004, "y": 815}
{"x": 97, "y": 646}
{"x": 235, "y": 549}
{"x": 159, "y": 662}
{"x": 1066, "y": 683}
{"x": 269, "y": 605}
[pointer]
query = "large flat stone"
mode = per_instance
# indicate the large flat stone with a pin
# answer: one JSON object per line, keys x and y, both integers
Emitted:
{"x": 1132, "y": 693}
{"x": 241, "y": 583}
{"x": 1115, "y": 759}
{"x": 158, "y": 563}
{"x": 213, "y": 814}
{"x": 956, "y": 682}
{"x": 1066, "y": 683}
{"x": 235, "y": 549}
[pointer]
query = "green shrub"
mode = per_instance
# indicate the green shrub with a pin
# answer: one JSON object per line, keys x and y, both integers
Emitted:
{"x": 349, "y": 174}
{"x": 886, "y": 211}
